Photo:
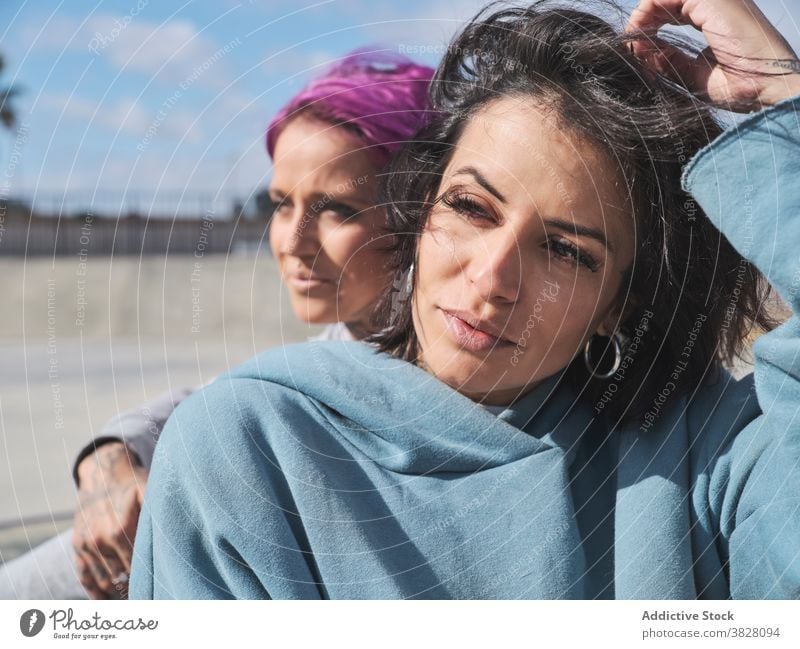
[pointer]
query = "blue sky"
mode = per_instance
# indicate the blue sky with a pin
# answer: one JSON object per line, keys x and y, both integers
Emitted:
{"x": 172, "y": 97}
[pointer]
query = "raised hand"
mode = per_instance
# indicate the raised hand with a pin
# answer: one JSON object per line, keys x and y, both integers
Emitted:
{"x": 747, "y": 64}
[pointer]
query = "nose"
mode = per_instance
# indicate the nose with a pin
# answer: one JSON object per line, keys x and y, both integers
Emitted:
{"x": 495, "y": 266}
{"x": 301, "y": 234}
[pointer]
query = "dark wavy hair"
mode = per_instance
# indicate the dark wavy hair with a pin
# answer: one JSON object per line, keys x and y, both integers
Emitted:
{"x": 684, "y": 271}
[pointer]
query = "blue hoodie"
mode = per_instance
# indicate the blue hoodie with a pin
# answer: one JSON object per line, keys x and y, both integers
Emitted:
{"x": 329, "y": 470}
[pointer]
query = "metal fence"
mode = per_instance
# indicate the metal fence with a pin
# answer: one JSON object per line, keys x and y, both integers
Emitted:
{"x": 25, "y": 232}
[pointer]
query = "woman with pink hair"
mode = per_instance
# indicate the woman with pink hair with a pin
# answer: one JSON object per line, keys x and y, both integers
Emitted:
{"x": 328, "y": 144}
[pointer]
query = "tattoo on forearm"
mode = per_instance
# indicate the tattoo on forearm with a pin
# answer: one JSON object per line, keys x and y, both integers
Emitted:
{"x": 792, "y": 65}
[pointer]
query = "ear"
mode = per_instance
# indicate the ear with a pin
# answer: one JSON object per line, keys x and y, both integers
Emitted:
{"x": 612, "y": 321}
{"x": 608, "y": 325}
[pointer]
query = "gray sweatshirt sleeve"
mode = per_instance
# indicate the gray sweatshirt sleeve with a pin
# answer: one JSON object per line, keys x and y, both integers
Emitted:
{"x": 138, "y": 428}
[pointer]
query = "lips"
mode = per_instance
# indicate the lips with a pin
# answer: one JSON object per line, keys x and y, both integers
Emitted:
{"x": 308, "y": 278}
{"x": 472, "y": 333}
{"x": 305, "y": 280}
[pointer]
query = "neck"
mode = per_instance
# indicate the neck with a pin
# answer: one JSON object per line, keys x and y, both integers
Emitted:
{"x": 504, "y": 397}
{"x": 358, "y": 330}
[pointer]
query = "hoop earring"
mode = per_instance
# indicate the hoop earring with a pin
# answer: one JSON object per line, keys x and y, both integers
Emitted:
{"x": 615, "y": 339}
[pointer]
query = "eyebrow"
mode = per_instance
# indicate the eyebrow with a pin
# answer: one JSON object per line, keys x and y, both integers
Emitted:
{"x": 481, "y": 180}
{"x": 561, "y": 224}
{"x": 569, "y": 226}
{"x": 327, "y": 199}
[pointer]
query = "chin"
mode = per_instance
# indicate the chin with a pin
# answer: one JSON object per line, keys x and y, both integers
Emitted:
{"x": 467, "y": 373}
{"x": 313, "y": 314}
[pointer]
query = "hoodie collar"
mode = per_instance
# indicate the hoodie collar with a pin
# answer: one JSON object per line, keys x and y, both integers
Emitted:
{"x": 405, "y": 419}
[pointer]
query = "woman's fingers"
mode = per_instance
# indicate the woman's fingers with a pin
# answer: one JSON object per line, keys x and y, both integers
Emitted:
{"x": 82, "y": 563}
{"x": 651, "y": 15}
{"x": 733, "y": 28}
{"x": 116, "y": 570}
{"x": 86, "y": 575}
{"x": 98, "y": 570}
{"x": 692, "y": 72}
{"x": 106, "y": 567}
{"x": 647, "y": 19}
{"x": 122, "y": 545}
{"x": 747, "y": 64}
{"x": 105, "y": 558}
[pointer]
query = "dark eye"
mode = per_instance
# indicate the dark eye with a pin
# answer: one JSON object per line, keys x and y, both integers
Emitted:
{"x": 280, "y": 206}
{"x": 569, "y": 252}
{"x": 341, "y": 210}
{"x": 466, "y": 206}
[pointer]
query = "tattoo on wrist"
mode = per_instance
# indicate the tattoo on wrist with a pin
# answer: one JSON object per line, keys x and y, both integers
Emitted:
{"x": 792, "y": 65}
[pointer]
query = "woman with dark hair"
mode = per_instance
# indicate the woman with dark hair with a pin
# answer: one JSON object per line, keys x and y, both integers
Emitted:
{"x": 548, "y": 416}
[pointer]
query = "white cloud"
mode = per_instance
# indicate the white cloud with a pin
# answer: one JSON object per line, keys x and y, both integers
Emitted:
{"x": 172, "y": 51}
{"x": 124, "y": 116}
{"x": 54, "y": 33}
